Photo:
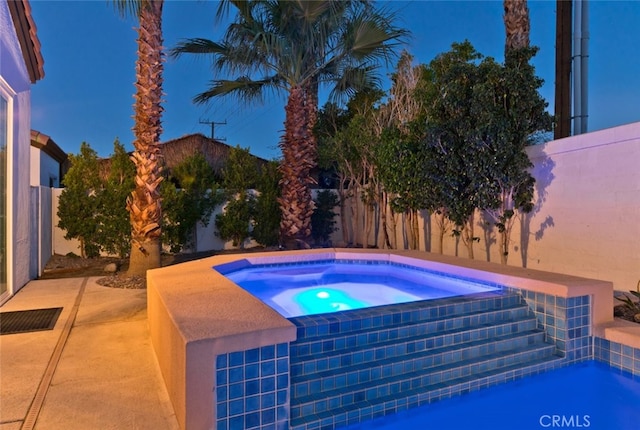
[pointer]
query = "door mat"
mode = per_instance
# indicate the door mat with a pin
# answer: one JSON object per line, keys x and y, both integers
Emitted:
{"x": 28, "y": 321}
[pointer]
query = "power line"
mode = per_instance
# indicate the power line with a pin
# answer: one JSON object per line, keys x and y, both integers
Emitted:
{"x": 213, "y": 125}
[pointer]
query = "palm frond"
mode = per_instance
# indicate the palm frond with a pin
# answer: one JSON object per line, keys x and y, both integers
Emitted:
{"x": 196, "y": 46}
{"x": 126, "y": 8}
{"x": 351, "y": 80}
{"x": 243, "y": 88}
{"x": 370, "y": 36}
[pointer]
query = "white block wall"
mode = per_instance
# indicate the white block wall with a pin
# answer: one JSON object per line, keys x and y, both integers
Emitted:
{"x": 589, "y": 199}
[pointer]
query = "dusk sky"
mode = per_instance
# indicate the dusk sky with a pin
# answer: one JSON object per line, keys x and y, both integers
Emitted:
{"x": 90, "y": 51}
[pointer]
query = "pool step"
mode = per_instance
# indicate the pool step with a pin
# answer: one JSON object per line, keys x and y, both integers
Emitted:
{"x": 388, "y": 370}
{"x": 391, "y": 357}
{"x": 328, "y": 354}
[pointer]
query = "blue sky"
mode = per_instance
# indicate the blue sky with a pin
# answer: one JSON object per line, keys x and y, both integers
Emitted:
{"x": 90, "y": 52}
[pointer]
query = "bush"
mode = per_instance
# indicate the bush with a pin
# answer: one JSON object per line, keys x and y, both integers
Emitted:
{"x": 239, "y": 176}
{"x": 235, "y": 222}
{"x": 266, "y": 222}
{"x": 189, "y": 196}
{"x": 322, "y": 220}
{"x": 78, "y": 206}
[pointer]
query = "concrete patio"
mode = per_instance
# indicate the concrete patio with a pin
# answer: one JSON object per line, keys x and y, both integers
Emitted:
{"x": 95, "y": 370}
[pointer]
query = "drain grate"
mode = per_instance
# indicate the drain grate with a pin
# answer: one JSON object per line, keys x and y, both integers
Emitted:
{"x": 28, "y": 321}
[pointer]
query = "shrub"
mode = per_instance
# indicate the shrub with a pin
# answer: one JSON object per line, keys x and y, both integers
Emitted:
{"x": 322, "y": 220}
{"x": 266, "y": 223}
{"x": 189, "y": 196}
{"x": 79, "y": 202}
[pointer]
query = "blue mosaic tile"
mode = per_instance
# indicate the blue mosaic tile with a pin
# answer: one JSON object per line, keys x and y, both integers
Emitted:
{"x": 236, "y": 359}
{"x": 618, "y": 356}
{"x": 247, "y": 394}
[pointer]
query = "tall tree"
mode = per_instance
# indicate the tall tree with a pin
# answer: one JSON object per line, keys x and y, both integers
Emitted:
{"x": 144, "y": 203}
{"x": 455, "y": 137}
{"x": 295, "y": 47}
{"x": 400, "y": 156}
{"x": 516, "y": 111}
{"x": 346, "y": 140}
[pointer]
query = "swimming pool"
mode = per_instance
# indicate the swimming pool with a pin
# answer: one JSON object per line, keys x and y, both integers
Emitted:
{"x": 295, "y": 289}
{"x": 584, "y": 395}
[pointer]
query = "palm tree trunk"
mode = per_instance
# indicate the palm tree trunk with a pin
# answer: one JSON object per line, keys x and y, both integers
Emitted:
{"x": 298, "y": 158}
{"x": 144, "y": 202}
{"x": 516, "y": 23}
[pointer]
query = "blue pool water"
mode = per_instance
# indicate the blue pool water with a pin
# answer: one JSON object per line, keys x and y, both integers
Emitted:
{"x": 329, "y": 286}
{"x": 589, "y": 395}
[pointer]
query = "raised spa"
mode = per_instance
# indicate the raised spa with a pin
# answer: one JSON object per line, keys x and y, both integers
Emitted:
{"x": 296, "y": 289}
{"x": 343, "y": 342}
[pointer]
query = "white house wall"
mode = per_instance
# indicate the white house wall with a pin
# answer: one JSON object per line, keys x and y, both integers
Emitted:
{"x": 14, "y": 75}
{"x": 45, "y": 170}
{"x": 21, "y": 189}
{"x": 34, "y": 155}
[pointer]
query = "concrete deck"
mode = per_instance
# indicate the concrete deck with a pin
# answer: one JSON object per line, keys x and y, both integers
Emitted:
{"x": 95, "y": 370}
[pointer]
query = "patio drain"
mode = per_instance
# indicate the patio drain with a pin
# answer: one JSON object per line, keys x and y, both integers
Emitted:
{"x": 28, "y": 321}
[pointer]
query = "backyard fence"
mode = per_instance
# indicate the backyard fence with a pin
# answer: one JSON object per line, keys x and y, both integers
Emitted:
{"x": 584, "y": 222}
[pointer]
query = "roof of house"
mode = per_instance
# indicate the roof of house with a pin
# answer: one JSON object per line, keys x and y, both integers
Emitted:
{"x": 175, "y": 151}
{"x": 215, "y": 152}
{"x": 27, "y": 37}
{"x": 48, "y": 146}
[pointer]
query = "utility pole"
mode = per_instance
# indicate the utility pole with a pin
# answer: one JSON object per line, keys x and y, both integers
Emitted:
{"x": 213, "y": 125}
{"x": 564, "y": 31}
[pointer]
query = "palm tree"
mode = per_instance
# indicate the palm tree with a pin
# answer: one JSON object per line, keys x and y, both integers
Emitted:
{"x": 144, "y": 202}
{"x": 295, "y": 47}
{"x": 517, "y": 24}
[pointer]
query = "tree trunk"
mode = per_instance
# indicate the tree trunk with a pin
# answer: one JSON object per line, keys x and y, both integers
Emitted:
{"x": 441, "y": 227}
{"x": 467, "y": 235}
{"x": 298, "y": 159}
{"x": 144, "y": 206}
{"x": 383, "y": 215}
{"x": 343, "y": 213}
{"x": 415, "y": 230}
{"x": 143, "y": 259}
{"x": 504, "y": 247}
{"x": 516, "y": 23}
{"x": 394, "y": 228}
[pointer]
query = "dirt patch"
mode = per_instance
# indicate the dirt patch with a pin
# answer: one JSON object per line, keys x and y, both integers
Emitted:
{"x": 72, "y": 266}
